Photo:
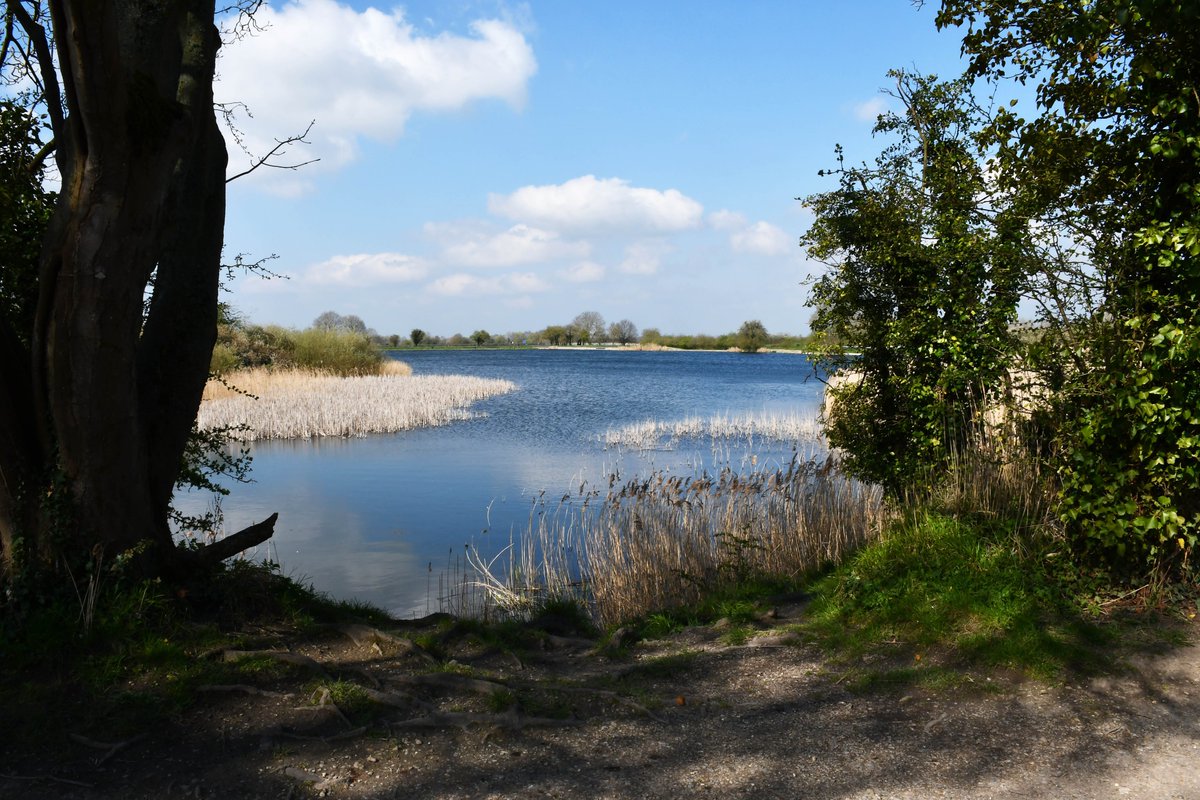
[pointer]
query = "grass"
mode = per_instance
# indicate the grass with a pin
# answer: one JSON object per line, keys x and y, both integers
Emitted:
{"x": 299, "y": 404}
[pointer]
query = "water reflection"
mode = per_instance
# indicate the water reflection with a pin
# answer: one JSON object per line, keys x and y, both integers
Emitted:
{"x": 370, "y": 518}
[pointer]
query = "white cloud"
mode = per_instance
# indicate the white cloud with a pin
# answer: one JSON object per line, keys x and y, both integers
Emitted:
{"x": 361, "y": 73}
{"x": 584, "y": 272}
{"x": 520, "y": 244}
{"x": 761, "y": 238}
{"x": 462, "y": 283}
{"x": 590, "y": 204}
{"x": 367, "y": 269}
{"x": 643, "y": 258}
{"x": 869, "y": 110}
{"x": 725, "y": 220}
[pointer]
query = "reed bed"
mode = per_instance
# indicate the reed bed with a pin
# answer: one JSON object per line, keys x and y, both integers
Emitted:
{"x": 659, "y": 435}
{"x": 665, "y": 541}
{"x": 300, "y": 404}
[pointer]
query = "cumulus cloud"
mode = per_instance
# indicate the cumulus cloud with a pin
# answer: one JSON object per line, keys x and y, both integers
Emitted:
{"x": 367, "y": 269}
{"x": 761, "y": 238}
{"x": 591, "y": 204}
{"x": 520, "y": 244}
{"x": 725, "y": 220}
{"x": 869, "y": 110}
{"x": 584, "y": 272}
{"x": 462, "y": 283}
{"x": 361, "y": 73}
{"x": 643, "y": 258}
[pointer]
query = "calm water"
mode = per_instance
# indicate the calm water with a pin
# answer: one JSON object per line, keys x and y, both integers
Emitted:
{"x": 377, "y": 518}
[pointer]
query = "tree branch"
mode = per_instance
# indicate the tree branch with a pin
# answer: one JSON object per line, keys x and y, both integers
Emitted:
{"x": 278, "y": 149}
{"x": 244, "y": 539}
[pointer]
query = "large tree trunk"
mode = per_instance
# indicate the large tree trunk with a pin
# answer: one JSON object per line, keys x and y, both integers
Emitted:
{"x": 101, "y": 408}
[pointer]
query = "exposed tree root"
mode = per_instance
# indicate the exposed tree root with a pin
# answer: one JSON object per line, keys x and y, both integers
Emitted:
{"x": 364, "y": 635}
{"x": 510, "y": 720}
{"x": 449, "y": 680}
{"x": 240, "y": 687}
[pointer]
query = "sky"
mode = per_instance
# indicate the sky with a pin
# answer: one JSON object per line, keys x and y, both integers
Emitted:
{"x": 502, "y": 166}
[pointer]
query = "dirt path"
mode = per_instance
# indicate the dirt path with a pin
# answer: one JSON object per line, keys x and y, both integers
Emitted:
{"x": 685, "y": 717}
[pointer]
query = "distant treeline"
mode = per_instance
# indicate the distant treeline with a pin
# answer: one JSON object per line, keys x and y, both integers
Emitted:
{"x": 589, "y": 328}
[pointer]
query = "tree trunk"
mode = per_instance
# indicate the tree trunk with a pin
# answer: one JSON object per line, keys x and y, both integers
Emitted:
{"x": 98, "y": 412}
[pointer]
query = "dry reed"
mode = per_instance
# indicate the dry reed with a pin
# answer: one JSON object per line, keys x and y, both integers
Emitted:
{"x": 658, "y": 435}
{"x": 666, "y": 541}
{"x": 298, "y": 404}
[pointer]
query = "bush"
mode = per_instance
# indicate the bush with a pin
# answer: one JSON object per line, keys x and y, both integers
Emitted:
{"x": 335, "y": 351}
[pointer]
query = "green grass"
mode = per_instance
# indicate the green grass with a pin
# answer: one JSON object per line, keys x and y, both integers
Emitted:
{"x": 938, "y": 589}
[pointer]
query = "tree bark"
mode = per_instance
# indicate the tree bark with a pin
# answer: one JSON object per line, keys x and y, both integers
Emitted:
{"x": 106, "y": 395}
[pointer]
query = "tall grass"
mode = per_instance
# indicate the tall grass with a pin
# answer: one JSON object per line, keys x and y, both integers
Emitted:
{"x": 299, "y": 404}
{"x": 667, "y": 541}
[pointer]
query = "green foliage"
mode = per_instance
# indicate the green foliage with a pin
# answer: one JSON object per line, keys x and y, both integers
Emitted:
{"x": 481, "y": 337}
{"x": 1112, "y": 158}
{"x": 25, "y": 208}
{"x": 751, "y": 337}
{"x": 417, "y": 336}
{"x": 923, "y": 282}
{"x": 935, "y": 583}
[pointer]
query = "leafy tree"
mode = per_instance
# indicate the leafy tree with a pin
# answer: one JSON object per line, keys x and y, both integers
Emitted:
{"x": 481, "y": 337}
{"x": 417, "y": 336}
{"x": 1113, "y": 156}
{"x": 556, "y": 335}
{"x": 394, "y": 340}
{"x": 752, "y": 336}
{"x": 623, "y": 332}
{"x": 101, "y": 376}
{"x": 651, "y": 336}
{"x": 923, "y": 282}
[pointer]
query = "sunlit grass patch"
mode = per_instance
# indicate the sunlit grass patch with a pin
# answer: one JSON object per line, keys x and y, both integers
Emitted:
{"x": 956, "y": 586}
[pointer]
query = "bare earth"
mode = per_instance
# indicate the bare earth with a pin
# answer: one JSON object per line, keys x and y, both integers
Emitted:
{"x": 684, "y": 717}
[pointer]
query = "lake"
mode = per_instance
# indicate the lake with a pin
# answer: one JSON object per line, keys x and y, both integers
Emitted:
{"x": 380, "y": 518}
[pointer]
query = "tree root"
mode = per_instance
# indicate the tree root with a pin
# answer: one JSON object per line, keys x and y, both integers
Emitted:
{"x": 10, "y": 777}
{"x": 510, "y": 720}
{"x": 240, "y": 687}
{"x": 449, "y": 680}
{"x": 363, "y": 635}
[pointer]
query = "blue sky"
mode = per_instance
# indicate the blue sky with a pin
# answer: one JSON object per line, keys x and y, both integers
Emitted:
{"x": 506, "y": 167}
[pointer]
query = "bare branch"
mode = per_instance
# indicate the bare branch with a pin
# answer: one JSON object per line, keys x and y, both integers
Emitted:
{"x": 41, "y": 47}
{"x": 279, "y": 150}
